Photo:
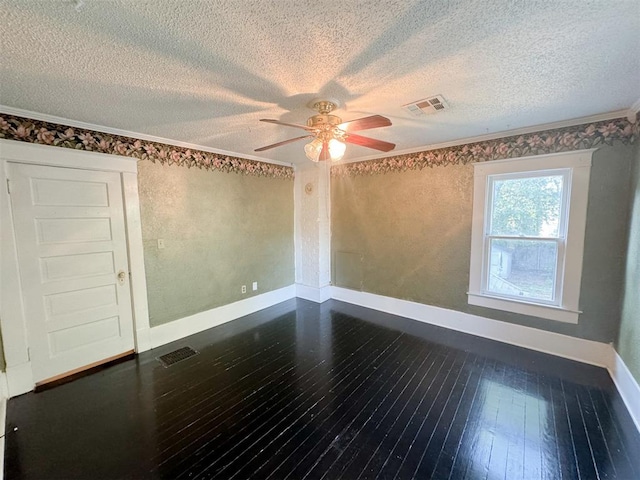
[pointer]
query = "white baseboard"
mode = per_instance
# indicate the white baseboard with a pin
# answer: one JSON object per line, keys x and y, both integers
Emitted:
{"x": 586, "y": 351}
{"x": 143, "y": 340}
{"x": 313, "y": 294}
{"x": 627, "y": 386}
{"x": 581, "y": 350}
{"x": 193, "y": 324}
{"x": 19, "y": 379}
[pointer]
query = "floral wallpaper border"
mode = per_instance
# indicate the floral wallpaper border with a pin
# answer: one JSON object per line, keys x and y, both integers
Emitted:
{"x": 549, "y": 141}
{"x": 34, "y": 131}
{"x": 577, "y": 137}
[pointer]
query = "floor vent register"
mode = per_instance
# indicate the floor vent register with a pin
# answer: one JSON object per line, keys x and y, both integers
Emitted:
{"x": 176, "y": 356}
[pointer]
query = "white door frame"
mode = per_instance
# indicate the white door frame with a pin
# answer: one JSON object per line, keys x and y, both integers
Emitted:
{"x": 12, "y": 320}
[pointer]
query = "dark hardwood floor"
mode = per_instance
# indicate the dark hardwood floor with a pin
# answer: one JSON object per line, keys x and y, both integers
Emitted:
{"x": 308, "y": 391}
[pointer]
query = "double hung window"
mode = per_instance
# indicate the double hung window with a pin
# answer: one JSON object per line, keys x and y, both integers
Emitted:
{"x": 528, "y": 234}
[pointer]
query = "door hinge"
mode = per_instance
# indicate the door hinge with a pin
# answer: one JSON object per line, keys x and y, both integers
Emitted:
{"x": 29, "y": 353}
{"x": 8, "y": 186}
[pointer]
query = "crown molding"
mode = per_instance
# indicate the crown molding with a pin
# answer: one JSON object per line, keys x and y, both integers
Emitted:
{"x": 43, "y": 117}
{"x": 493, "y": 136}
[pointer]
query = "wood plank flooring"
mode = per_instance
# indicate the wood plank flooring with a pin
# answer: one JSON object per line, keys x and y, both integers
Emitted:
{"x": 308, "y": 391}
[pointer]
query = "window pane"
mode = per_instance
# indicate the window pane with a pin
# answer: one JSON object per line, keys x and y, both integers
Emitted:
{"x": 523, "y": 268}
{"x": 527, "y": 206}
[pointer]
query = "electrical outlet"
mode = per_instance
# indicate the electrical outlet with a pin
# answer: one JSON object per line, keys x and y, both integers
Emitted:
{"x": 255, "y": 286}
{"x": 160, "y": 243}
{"x": 244, "y": 289}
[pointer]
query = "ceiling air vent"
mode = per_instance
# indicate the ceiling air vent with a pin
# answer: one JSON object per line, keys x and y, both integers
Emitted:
{"x": 427, "y": 106}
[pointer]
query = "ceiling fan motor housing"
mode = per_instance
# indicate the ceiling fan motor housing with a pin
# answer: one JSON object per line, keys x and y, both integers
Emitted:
{"x": 324, "y": 121}
{"x": 326, "y": 126}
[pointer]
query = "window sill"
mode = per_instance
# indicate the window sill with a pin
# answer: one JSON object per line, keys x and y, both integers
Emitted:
{"x": 549, "y": 312}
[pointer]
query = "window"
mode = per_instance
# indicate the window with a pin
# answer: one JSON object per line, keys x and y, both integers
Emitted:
{"x": 529, "y": 217}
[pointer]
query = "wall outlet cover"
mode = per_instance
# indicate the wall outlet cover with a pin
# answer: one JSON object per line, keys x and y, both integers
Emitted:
{"x": 244, "y": 289}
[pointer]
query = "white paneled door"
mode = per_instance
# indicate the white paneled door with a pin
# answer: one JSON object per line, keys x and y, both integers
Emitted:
{"x": 71, "y": 242}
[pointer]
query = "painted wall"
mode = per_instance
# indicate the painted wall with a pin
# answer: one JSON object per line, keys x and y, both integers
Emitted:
{"x": 407, "y": 235}
{"x": 313, "y": 225}
{"x": 3, "y": 364}
{"x": 628, "y": 344}
{"x": 220, "y": 230}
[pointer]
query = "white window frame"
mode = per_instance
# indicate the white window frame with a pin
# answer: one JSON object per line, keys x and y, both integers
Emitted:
{"x": 576, "y": 167}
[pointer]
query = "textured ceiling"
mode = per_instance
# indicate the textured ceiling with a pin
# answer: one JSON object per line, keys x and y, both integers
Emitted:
{"x": 205, "y": 72}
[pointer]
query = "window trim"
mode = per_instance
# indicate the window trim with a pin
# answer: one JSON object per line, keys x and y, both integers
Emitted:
{"x": 579, "y": 163}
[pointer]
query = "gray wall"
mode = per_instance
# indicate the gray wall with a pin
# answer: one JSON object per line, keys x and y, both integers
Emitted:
{"x": 3, "y": 364}
{"x": 408, "y": 235}
{"x": 221, "y": 231}
{"x": 628, "y": 344}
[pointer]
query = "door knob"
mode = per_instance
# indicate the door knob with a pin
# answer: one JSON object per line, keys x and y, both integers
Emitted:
{"x": 122, "y": 275}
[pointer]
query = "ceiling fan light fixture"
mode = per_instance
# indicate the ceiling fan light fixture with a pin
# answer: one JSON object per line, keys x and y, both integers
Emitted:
{"x": 314, "y": 149}
{"x": 336, "y": 149}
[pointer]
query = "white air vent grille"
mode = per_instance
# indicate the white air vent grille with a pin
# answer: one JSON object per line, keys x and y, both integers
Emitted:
{"x": 427, "y": 106}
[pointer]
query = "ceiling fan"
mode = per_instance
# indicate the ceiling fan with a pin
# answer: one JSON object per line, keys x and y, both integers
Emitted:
{"x": 330, "y": 133}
